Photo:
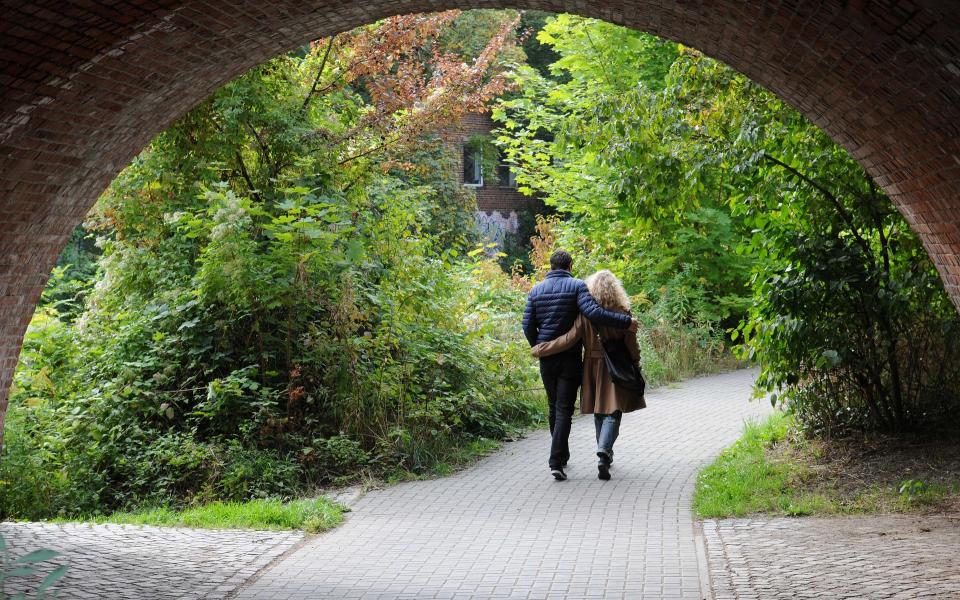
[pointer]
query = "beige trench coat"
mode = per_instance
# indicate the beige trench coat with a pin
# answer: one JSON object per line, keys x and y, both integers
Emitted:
{"x": 599, "y": 394}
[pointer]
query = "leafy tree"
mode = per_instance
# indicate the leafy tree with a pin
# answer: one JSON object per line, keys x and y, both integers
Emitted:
{"x": 609, "y": 148}
{"x": 539, "y": 55}
{"x": 693, "y": 183}
{"x": 283, "y": 297}
{"x": 849, "y": 321}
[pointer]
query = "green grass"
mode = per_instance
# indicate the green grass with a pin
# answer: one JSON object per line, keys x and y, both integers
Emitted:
{"x": 449, "y": 460}
{"x": 741, "y": 481}
{"x": 462, "y": 456}
{"x": 312, "y": 515}
{"x": 744, "y": 481}
{"x": 917, "y": 493}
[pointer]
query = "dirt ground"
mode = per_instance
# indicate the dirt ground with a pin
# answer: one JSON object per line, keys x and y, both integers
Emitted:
{"x": 865, "y": 473}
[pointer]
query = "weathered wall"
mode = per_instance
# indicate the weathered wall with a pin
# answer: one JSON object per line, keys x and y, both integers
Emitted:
{"x": 499, "y": 208}
{"x": 490, "y": 196}
{"x": 85, "y": 84}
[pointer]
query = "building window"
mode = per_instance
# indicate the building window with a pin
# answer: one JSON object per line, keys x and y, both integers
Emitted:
{"x": 505, "y": 176}
{"x": 472, "y": 170}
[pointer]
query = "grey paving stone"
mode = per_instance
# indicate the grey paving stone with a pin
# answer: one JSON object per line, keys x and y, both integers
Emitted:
{"x": 631, "y": 537}
{"x": 887, "y": 556}
{"x": 505, "y": 529}
{"x": 150, "y": 563}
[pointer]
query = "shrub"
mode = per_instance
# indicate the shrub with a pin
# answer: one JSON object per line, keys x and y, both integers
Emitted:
{"x": 850, "y": 322}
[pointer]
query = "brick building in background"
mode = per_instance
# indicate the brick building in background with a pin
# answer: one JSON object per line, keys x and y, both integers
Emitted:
{"x": 500, "y": 207}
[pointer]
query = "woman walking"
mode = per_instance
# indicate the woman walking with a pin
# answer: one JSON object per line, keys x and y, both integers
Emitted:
{"x": 599, "y": 395}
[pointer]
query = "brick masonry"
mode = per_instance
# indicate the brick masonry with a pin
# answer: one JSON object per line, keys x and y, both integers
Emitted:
{"x": 491, "y": 197}
{"x": 85, "y": 84}
{"x": 500, "y": 209}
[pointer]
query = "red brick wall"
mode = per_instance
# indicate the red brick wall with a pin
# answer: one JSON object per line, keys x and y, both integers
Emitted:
{"x": 490, "y": 196}
{"x": 85, "y": 84}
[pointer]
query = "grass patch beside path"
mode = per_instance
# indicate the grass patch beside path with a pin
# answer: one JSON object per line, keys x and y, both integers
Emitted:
{"x": 772, "y": 469}
{"x": 742, "y": 480}
{"x": 454, "y": 458}
{"x": 312, "y": 515}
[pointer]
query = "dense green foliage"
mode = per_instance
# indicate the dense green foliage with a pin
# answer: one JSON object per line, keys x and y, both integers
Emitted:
{"x": 289, "y": 291}
{"x": 610, "y": 149}
{"x": 849, "y": 321}
{"x": 284, "y": 300}
{"x": 723, "y": 208}
{"x": 602, "y": 141}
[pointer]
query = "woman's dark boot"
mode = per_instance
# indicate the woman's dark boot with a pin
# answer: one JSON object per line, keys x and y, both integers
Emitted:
{"x": 603, "y": 471}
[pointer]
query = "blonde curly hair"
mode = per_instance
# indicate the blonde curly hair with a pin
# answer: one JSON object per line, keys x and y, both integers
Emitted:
{"x": 607, "y": 290}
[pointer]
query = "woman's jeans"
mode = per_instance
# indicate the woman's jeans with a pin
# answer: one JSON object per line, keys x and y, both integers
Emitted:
{"x": 608, "y": 428}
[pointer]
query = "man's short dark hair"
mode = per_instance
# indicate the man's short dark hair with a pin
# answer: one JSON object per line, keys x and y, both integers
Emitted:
{"x": 561, "y": 259}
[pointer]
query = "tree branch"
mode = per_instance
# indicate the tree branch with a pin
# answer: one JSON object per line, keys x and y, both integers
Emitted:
{"x": 316, "y": 80}
{"x": 246, "y": 177}
{"x": 343, "y": 73}
{"x": 600, "y": 59}
{"x": 829, "y": 196}
{"x": 366, "y": 152}
{"x": 264, "y": 150}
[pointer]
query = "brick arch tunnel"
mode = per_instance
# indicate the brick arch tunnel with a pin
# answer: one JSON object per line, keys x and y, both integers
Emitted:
{"x": 86, "y": 84}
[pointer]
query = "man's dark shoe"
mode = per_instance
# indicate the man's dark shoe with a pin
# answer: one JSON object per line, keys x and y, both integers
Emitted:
{"x": 558, "y": 474}
{"x": 603, "y": 472}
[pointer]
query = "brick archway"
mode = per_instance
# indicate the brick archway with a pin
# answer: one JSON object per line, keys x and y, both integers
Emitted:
{"x": 85, "y": 84}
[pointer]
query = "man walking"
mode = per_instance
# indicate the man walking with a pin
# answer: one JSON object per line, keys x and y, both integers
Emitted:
{"x": 552, "y": 307}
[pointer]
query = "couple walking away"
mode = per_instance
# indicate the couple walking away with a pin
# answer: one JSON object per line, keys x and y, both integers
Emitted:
{"x": 584, "y": 334}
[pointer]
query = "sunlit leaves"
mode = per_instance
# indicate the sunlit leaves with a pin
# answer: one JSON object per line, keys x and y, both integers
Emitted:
{"x": 282, "y": 271}
{"x": 616, "y": 147}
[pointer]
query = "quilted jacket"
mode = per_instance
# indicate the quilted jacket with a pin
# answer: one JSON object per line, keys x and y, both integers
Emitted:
{"x": 554, "y": 304}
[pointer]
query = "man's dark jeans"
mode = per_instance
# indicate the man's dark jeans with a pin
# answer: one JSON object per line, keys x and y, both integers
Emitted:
{"x": 562, "y": 374}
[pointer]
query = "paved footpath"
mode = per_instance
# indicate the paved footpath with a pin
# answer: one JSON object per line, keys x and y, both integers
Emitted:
{"x": 505, "y": 529}
{"x": 870, "y": 558}
{"x": 132, "y": 562}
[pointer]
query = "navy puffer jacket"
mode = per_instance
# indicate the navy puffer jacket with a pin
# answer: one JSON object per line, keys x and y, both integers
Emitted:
{"x": 555, "y": 302}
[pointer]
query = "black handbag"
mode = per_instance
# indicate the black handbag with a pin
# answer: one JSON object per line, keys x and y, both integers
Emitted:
{"x": 623, "y": 371}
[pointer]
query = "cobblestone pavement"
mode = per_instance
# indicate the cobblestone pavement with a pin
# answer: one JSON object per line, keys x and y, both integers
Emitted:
{"x": 890, "y": 556}
{"x": 145, "y": 563}
{"x": 505, "y": 529}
